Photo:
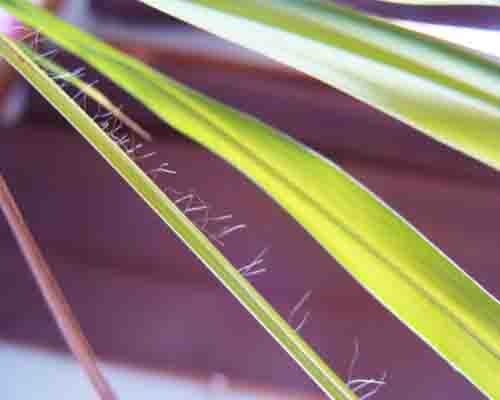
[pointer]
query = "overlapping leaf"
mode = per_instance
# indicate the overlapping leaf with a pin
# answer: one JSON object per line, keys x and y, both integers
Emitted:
{"x": 171, "y": 215}
{"x": 388, "y": 257}
{"x": 440, "y": 89}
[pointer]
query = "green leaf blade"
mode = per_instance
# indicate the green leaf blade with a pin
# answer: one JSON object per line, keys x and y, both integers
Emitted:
{"x": 420, "y": 285}
{"x": 409, "y": 76}
{"x": 206, "y": 252}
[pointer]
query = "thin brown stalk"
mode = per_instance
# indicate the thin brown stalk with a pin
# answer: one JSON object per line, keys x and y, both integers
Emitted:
{"x": 59, "y": 307}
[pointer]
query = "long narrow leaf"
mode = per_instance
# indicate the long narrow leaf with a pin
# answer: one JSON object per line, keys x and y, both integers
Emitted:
{"x": 387, "y": 256}
{"x": 442, "y": 90}
{"x": 171, "y": 215}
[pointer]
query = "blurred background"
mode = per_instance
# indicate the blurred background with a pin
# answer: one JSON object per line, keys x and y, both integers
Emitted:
{"x": 161, "y": 323}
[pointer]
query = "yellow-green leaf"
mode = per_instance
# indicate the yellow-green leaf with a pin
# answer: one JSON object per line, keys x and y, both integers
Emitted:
{"x": 234, "y": 281}
{"x": 442, "y": 90}
{"x": 410, "y": 276}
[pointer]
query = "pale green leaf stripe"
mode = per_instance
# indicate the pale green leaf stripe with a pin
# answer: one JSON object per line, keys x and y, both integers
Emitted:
{"x": 410, "y": 276}
{"x": 180, "y": 224}
{"x": 442, "y": 90}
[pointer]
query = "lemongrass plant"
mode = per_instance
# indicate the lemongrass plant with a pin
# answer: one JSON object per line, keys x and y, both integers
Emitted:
{"x": 444, "y": 91}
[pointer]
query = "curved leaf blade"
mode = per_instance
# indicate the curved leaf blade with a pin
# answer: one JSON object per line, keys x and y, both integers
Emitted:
{"x": 440, "y": 89}
{"x": 206, "y": 252}
{"x": 433, "y": 296}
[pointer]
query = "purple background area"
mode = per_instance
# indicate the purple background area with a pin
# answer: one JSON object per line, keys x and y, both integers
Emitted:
{"x": 144, "y": 299}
